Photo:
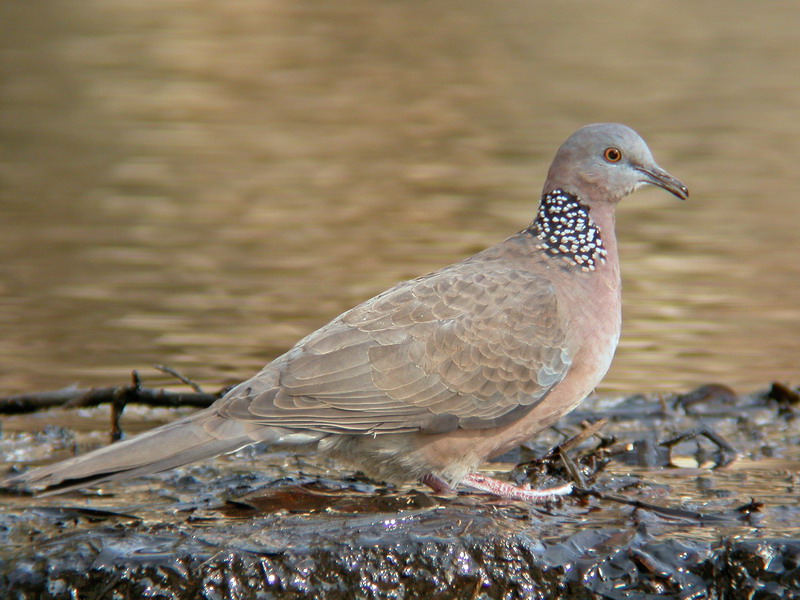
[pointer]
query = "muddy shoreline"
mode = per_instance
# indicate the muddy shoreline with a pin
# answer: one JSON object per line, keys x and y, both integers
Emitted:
{"x": 664, "y": 519}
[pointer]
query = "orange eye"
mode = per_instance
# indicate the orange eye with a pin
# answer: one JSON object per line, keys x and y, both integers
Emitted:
{"x": 612, "y": 155}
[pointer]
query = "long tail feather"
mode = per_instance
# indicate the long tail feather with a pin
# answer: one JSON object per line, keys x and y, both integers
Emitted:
{"x": 202, "y": 435}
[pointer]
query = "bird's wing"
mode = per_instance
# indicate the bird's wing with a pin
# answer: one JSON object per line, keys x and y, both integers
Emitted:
{"x": 470, "y": 347}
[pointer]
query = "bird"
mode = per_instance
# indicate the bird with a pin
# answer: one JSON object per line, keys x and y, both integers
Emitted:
{"x": 433, "y": 377}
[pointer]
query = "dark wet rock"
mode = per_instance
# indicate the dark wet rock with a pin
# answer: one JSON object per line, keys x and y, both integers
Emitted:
{"x": 441, "y": 553}
{"x": 787, "y": 398}
{"x": 708, "y": 399}
{"x": 262, "y": 525}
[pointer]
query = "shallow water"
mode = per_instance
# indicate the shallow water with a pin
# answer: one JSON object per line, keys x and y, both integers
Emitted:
{"x": 649, "y": 521}
{"x": 202, "y": 184}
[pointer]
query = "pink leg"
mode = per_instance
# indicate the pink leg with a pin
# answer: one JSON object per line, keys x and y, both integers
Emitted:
{"x": 437, "y": 484}
{"x": 508, "y": 490}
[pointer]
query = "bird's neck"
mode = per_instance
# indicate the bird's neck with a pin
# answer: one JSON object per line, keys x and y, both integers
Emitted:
{"x": 564, "y": 229}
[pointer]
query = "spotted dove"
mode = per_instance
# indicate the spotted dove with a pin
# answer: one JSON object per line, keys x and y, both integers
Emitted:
{"x": 436, "y": 375}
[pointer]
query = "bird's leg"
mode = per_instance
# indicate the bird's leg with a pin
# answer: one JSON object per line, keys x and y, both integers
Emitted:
{"x": 498, "y": 488}
{"x": 508, "y": 490}
{"x": 437, "y": 484}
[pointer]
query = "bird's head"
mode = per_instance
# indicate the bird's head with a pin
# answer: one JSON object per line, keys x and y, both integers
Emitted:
{"x": 605, "y": 162}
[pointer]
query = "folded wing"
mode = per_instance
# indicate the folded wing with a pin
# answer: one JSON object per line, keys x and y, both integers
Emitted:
{"x": 467, "y": 347}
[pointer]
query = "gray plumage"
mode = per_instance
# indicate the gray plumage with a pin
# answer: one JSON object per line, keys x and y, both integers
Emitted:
{"x": 437, "y": 374}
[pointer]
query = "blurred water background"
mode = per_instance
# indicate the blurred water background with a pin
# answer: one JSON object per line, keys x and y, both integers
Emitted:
{"x": 202, "y": 183}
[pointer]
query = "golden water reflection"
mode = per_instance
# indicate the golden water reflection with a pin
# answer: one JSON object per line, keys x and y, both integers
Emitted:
{"x": 201, "y": 184}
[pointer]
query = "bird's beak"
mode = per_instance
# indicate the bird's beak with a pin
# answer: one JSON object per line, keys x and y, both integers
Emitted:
{"x": 657, "y": 176}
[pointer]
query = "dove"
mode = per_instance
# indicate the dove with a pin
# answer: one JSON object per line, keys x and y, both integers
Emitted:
{"x": 433, "y": 377}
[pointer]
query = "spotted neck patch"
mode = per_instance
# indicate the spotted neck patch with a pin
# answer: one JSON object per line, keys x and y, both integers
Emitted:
{"x": 566, "y": 230}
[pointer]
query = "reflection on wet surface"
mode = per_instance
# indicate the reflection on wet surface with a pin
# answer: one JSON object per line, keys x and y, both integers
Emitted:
{"x": 651, "y": 518}
{"x": 203, "y": 185}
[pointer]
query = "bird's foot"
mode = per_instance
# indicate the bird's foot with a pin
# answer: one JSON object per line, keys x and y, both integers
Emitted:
{"x": 437, "y": 484}
{"x": 508, "y": 490}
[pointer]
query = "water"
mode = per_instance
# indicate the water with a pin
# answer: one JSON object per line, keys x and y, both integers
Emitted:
{"x": 312, "y": 525}
{"x": 203, "y": 184}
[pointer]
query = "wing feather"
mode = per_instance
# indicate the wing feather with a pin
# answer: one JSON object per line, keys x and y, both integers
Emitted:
{"x": 467, "y": 347}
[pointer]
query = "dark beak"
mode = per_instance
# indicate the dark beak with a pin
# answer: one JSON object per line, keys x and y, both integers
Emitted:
{"x": 657, "y": 176}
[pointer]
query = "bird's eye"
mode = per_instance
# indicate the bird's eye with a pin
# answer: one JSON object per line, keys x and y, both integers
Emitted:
{"x": 612, "y": 155}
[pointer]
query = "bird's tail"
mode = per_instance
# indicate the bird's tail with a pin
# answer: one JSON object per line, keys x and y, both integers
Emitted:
{"x": 202, "y": 435}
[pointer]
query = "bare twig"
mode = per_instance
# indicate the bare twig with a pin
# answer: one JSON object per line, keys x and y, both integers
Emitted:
{"x": 727, "y": 453}
{"x": 119, "y": 402}
{"x": 72, "y": 397}
{"x": 170, "y": 371}
{"x": 672, "y": 512}
{"x": 588, "y": 431}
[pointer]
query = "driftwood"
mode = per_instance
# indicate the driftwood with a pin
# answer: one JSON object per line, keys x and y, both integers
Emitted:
{"x": 73, "y": 397}
{"x": 118, "y": 397}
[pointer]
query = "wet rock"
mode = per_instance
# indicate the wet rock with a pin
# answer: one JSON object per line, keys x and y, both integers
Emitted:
{"x": 261, "y": 525}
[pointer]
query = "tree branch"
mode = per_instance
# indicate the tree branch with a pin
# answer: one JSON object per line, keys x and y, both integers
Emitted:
{"x": 72, "y": 397}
